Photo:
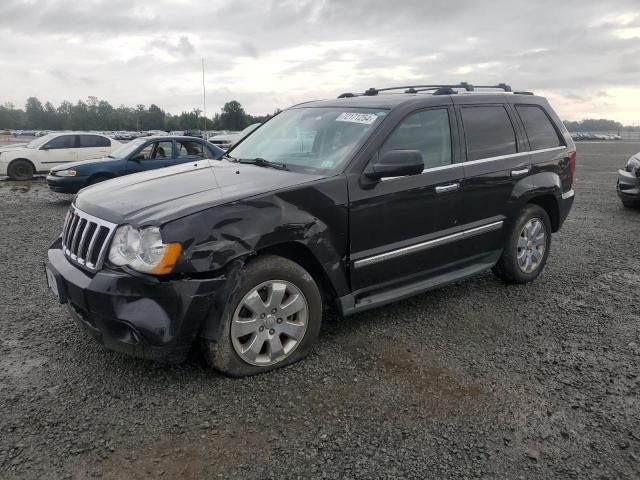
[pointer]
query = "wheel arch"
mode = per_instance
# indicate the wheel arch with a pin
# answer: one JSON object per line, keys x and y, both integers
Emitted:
{"x": 303, "y": 256}
{"x": 95, "y": 175}
{"x": 549, "y": 203}
{"x": 29, "y": 161}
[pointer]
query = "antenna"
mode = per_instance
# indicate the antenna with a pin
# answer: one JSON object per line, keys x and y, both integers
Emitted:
{"x": 204, "y": 101}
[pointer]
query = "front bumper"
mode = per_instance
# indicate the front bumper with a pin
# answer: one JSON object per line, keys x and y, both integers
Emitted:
{"x": 628, "y": 186}
{"x": 66, "y": 184}
{"x": 140, "y": 316}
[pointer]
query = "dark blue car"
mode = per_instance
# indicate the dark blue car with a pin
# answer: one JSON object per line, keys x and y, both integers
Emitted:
{"x": 136, "y": 156}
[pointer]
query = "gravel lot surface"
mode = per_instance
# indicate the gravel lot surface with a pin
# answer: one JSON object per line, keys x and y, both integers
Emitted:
{"x": 477, "y": 380}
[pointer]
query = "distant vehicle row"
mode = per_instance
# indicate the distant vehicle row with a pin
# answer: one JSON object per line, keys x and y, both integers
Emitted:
{"x": 64, "y": 153}
{"x": 581, "y": 136}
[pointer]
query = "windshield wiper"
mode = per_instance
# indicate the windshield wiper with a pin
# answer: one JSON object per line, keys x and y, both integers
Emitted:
{"x": 261, "y": 162}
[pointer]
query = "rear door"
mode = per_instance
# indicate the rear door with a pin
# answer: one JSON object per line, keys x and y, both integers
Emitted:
{"x": 153, "y": 155}
{"x": 92, "y": 146}
{"x": 496, "y": 160}
{"x": 399, "y": 226}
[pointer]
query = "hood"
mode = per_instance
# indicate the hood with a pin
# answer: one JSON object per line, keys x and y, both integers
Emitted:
{"x": 226, "y": 136}
{"x": 79, "y": 164}
{"x": 13, "y": 146}
{"x": 158, "y": 196}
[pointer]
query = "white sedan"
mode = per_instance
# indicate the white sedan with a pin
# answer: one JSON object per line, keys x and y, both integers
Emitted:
{"x": 20, "y": 162}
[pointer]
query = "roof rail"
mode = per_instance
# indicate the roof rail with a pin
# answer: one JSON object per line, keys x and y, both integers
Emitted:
{"x": 437, "y": 89}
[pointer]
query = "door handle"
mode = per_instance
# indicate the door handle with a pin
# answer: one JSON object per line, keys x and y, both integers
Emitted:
{"x": 517, "y": 173}
{"x": 447, "y": 188}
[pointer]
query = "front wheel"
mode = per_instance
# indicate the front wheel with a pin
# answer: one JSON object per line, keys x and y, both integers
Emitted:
{"x": 272, "y": 320}
{"x": 20, "y": 170}
{"x": 527, "y": 248}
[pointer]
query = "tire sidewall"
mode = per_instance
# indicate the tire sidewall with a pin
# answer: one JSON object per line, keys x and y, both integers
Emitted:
{"x": 13, "y": 165}
{"x": 511, "y": 252}
{"x": 220, "y": 352}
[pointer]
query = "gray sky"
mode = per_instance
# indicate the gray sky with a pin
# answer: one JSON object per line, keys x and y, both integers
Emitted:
{"x": 585, "y": 56}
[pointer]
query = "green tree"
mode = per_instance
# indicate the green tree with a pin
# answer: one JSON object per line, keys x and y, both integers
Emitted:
{"x": 233, "y": 116}
{"x": 35, "y": 113}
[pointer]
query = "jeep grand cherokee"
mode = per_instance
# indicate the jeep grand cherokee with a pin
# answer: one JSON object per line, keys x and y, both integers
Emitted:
{"x": 357, "y": 201}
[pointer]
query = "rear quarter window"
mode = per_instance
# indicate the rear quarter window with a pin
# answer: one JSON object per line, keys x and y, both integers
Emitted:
{"x": 538, "y": 127}
{"x": 488, "y": 132}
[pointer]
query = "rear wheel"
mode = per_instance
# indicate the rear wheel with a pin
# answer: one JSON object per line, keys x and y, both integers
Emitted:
{"x": 527, "y": 249}
{"x": 272, "y": 320}
{"x": 21, "y": 170}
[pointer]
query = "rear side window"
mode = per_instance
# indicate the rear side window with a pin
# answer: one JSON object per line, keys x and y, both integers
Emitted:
{"x": 190, "y": 149}
{"x": 93, "y": 141}
{"x": 63, "y": 141}
{"x": 488, "y": 132}
{"x": 427, "y": 132}
{"x": 539, "y": 128}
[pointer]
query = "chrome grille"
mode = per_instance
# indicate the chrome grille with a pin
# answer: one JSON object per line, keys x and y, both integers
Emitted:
{"x": 85, "y": 239}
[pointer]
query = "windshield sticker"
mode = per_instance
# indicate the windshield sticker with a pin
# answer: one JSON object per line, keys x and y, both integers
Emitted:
{"x": 327, "y": 164}
{"x": 381, "y": 114}
{"x": 366, "y": 118}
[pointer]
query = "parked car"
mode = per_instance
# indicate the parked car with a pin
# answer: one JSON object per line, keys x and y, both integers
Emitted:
{"x": 228, "y": 140}
{"x": 358, "y": 202}
{"x": 136, "y": 156}
{"x": 628, "y": 185}
{"x": 193, "y": 133}
{"x": 43, "y": 153}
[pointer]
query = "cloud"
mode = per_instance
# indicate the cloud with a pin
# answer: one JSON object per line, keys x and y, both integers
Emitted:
{"x": 274, "y": 53}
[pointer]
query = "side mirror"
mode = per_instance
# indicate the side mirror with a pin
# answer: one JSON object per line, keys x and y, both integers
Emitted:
{"x": 44, "y": 147}
{"x": 138, "y": 157}
{"x": 396, "y": 163}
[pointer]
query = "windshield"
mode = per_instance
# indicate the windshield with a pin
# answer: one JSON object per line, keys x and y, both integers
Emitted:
{"x": 40, "y": 141}
{"x": 127, "y": 148}
{"x": 309, "y": 139}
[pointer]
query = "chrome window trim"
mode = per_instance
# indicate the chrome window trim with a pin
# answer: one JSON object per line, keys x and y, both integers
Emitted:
{"x": 428, "y": 244}
{"x": 481, "y": 160}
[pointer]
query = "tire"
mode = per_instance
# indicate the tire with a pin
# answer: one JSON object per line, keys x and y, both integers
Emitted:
{"x": 512, "y": 266}
{"x": 21, "y": 170}
{"x": 257, "y": 331}
{"x": 630, "y": 203}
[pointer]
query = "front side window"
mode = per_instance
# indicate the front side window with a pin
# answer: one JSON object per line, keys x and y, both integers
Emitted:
{"x": 93, "y": 141}
{"x": 428, "y": 132}
{"x": 63, "y": 141}
{"x": 538, "y": 127}
{"x": 488, "y": 132}
{"x": 310, "y": 139}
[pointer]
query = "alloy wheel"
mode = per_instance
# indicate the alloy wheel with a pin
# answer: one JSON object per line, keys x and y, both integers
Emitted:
{"x": 269, "y": 323}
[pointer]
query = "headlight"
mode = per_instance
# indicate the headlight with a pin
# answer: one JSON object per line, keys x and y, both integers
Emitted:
{"x": 634, "y": 164}
{"x": 143, "y": 250}
{"x": 65, "y": 173}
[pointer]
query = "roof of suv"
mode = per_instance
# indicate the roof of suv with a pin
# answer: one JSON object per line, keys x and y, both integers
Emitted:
{"x": 388, "y": 98}
{"x": 391, "y": 100}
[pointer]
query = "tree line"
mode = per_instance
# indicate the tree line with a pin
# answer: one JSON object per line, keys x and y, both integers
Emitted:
{"x": 96, "y": 114}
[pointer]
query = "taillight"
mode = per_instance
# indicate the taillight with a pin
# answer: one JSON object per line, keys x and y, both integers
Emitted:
{"x": 572, "y": 167}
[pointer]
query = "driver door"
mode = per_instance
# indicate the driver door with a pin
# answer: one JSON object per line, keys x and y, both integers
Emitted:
{"x": 153, "y": 155}
{"x": 401, "y": 228}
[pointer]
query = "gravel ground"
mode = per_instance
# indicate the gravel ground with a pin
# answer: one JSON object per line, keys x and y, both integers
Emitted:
{"x": 477, "y": 380}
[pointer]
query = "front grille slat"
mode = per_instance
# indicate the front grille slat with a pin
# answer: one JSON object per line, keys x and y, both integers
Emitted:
{"x": 85, "y": 239}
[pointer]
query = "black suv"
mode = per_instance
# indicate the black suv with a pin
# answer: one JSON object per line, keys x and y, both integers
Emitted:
{"x": 357, "y": 202}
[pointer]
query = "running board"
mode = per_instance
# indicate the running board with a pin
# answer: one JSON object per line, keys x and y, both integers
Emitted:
{"x": 348, "y": 305}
